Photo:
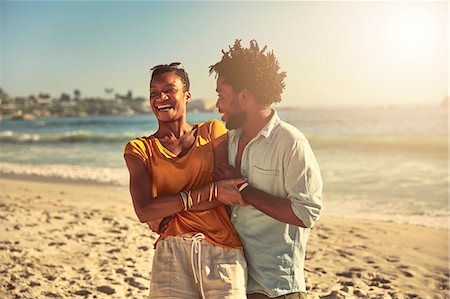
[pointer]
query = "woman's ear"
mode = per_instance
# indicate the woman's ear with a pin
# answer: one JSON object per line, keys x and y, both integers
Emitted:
{"x": 188, "y": 97}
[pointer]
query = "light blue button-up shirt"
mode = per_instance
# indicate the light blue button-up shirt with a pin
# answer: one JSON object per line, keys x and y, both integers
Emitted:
{"x": 279, "y": 161}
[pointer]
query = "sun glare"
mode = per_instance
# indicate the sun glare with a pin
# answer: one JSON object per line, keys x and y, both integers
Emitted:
{"x": 412, "y": 31}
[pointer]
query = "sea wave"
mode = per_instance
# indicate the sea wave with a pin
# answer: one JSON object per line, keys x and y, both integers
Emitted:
{"x": 415, "y": 144}
{"x": 431, "y": 217}
{"x": 80, "y": 136}
{"x": 382, "y": 143}
{"x": 114, "y": 176}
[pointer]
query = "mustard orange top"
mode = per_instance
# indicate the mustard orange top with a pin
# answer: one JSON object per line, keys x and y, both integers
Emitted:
{"x": 171, "y": 174}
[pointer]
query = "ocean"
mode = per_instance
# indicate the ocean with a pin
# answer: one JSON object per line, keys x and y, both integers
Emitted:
{"x": 383, "y": 163}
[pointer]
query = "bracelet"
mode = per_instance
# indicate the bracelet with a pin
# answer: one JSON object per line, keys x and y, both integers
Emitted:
{"x": 199, "y": 196}
{"x": 211, "y": 188}
{"x": 190, "y": 201}
{"x": 184, "y": 199}
{"x": 243, "y": 186}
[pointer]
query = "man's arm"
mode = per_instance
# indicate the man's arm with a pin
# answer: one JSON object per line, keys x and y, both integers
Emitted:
{"x": 303, "y": 184}
{"x": 276, "y": 207}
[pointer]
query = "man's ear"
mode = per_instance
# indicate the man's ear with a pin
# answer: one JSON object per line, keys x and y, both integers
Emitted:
{"x": 244, "y": 97}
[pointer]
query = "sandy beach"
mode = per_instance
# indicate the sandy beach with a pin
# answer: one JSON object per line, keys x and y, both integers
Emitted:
{"x": 70, "y": 240}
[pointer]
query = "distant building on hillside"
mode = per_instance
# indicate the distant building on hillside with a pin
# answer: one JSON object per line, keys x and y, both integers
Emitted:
{"x": 201, "y": 105}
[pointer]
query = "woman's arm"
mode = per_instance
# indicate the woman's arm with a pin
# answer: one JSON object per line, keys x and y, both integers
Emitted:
{"x": 146, "y": 207}
{"x": 149, "y": 209}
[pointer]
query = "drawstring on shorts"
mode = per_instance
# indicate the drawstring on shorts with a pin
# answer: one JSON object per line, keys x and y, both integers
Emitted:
{"x": 197, "y": 249}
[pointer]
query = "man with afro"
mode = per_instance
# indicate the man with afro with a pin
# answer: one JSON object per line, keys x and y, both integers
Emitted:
{"x": 283, "y": 192}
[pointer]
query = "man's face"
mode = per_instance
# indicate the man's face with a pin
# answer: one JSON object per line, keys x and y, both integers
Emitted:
{"x": 228, "y": 105}
{"x": 167, "y": 97}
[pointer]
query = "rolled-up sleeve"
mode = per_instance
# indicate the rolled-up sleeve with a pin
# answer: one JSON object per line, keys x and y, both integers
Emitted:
{"x": 303, "y": 182}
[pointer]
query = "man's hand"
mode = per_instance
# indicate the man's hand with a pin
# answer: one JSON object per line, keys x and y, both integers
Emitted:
{"x": 228, "y": 192}
{"x": 159, "y": 225}
{"x": 225, "y": 171}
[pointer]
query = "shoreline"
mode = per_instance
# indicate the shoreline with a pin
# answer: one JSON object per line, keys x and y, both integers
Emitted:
{"x": 90, "y": 182}
{"x": 74, "y": 239}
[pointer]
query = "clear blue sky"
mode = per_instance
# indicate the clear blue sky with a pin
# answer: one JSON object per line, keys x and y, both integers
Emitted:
{"x": 335, "y": 53}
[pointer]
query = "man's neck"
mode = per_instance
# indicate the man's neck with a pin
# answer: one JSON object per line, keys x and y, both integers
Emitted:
{"x": 256, "y": 121}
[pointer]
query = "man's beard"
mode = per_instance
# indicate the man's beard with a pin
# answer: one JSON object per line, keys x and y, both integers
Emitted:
{"x": 236, "y": 121}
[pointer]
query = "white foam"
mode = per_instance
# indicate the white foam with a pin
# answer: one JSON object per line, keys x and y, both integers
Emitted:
{"x": 364, "y": 210}
{"x": 6, "y": 133}
{"x": 116, "y": 176}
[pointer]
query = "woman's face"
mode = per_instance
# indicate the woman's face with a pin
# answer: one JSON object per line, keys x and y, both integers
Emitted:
{"x": 168, "y": 97}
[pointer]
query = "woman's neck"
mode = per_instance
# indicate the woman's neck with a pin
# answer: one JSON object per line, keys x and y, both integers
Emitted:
{"x": 173, "y": 129}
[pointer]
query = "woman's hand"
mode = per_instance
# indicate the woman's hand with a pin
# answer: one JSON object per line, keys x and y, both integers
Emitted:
{"x": 159, "y": 225}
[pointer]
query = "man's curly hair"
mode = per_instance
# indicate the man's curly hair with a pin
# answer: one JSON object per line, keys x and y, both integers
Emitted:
{"x": 252, "y": 69}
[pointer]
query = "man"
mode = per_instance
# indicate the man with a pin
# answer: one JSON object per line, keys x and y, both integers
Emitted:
{"x": 284, "y": 184}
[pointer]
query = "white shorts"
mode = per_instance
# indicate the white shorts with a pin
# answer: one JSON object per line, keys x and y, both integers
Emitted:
{"x": 191, "y": 267}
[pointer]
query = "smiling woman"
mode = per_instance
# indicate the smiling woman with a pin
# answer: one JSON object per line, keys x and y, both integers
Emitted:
{"x": 172, "y": 191}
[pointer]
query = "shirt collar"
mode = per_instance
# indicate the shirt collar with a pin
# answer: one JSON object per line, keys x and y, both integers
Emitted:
{"x": 266, "y": 131}
{"x": 270, "y": 126}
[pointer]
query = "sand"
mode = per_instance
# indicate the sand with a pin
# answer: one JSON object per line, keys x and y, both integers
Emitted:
{"x": 75, "y": 240}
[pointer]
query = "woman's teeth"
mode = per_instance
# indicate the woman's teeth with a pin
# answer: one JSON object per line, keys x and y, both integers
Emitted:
{"x": 164, "y": 107}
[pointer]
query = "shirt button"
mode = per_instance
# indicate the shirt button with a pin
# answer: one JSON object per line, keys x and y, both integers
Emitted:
{"x": 234, "y": 215}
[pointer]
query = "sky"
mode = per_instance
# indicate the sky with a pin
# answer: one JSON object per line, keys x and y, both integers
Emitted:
{"x": 335, "y": 53}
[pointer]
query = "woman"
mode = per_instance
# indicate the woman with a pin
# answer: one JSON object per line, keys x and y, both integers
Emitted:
{"x": 198, "y": 253}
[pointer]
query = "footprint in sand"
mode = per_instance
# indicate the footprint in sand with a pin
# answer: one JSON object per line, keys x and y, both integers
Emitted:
{"x": 344, "y": 253}
{"x": 345, "y": 274}
{"x": 352, "y": 272}
{"x": 407, "y": 273}
{"x": 82, "y": 293}
{"x": 106, "y": 290}
{"x": 393, "y": 259}
{"x": 139, "y": 275}
{"x": 114, "y": 250}
{"x": 323, "y": 237}
{"x": 320, "y": 270}
{"x": 347, "y": 283}
{"x": 34, "y": 284}
{"x": 50, "y": 277}
{"x": 51, "y": 295}
{"x": 57, "y": 244}
{"x": 121, "y": 271}
{"x": 134, "y": 283}
{"x": 369, "y": 260}
{"x": 143, "y": 248}
{"x": 380, "y": 279}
